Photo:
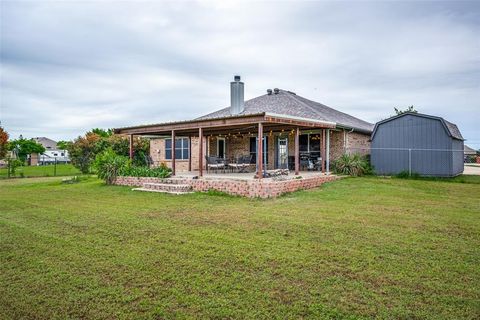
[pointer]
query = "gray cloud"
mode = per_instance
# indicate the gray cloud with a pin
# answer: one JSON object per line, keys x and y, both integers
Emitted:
{"x": 69, "y": 66}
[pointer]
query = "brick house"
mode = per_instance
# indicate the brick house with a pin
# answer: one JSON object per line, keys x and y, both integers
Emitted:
{"x": 279, "y": 129}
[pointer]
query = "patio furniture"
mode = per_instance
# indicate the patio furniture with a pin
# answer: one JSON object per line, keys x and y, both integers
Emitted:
{"x": 215, "y": 163}
{"x": 241, "y": 164}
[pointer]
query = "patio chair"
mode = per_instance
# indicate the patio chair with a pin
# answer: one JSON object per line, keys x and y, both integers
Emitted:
{"x": 241, "y": 164}
{"x": 215, "y": 163}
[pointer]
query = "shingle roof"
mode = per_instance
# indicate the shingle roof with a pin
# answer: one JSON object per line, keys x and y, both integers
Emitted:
{"x": 468, "y": 150}
{"x": 288, "y": 103}
{"x": 452, "y": 128}
{"x": 46, "y": 142}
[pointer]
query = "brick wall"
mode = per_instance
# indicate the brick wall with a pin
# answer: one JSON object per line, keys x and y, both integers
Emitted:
{"x": 157, "y": 152}
{"x": 255, "y": 188}
{"x": 358, "y": 143}
{"x": 355, "y": 142}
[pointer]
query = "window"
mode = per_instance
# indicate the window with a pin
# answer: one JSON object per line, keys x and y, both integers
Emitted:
{"x": 181, "y": 149}
{"x": 310, "y": 143}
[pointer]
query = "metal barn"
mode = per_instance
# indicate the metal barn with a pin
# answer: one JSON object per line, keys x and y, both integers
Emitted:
{"x": 417, "y": 143}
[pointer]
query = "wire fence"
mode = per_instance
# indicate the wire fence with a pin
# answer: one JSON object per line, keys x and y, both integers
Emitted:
{"x": 48, "y": 167}
{"x": 425, "y": 162}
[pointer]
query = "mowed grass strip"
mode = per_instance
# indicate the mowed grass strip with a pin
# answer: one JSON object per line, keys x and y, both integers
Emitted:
{"x": 355, "y": 248}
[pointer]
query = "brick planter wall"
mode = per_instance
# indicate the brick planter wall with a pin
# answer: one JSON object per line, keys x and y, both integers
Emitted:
{"x": 265, "y": 188}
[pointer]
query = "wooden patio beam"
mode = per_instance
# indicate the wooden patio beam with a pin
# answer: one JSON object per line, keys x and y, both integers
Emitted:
{"x": 130, "y": 146}
{"x": 200, "y": 152}
{"x": 260, "y": 151}
{"x": 297, "y": 151}
{"x": 323, "y": 151}
{"x": 173, "y": 152}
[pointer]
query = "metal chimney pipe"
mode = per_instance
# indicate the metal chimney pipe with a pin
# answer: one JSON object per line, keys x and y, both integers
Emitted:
{"x": 237, "y": 103}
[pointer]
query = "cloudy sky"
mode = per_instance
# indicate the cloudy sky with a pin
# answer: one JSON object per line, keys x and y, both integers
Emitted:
{"x": 67, "y": 67}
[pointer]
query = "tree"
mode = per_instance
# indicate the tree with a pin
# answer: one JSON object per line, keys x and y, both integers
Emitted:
{"x": 141, "y": 148}
{"x": 82, "y": 151}
{"x": 408, "y": 109}
{"x": 63, "y": 145}
{"x": 24, "y": 147}
{"x": 3, "y": 143}
{"x": 102, "y": 132}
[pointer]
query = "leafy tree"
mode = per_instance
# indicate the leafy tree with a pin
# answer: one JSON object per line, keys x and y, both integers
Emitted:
{"x": 63, "y": 145}
{"x": 24, "y": 147}
{"x": 121, "y": 146}
{"x": 102, "y": 132}
{"x": 3, "y": 142}
{"x": 408, "y": 109}
{"x": 83, "y": 150}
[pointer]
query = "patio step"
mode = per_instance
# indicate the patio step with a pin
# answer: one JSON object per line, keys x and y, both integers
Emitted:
{"x": 172, "y": 187}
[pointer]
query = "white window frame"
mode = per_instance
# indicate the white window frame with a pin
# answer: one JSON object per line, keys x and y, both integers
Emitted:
{"x": 173, "y": 148}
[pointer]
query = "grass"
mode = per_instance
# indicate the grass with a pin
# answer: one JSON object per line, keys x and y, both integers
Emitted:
{"x": 42, "y": 171}
{"x": 356, "y": 248}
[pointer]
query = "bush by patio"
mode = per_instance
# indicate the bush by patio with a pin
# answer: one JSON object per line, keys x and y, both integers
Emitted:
{"x": 108, "y": 165}
{"x": 353, "y": 165}
{"x": 159, "y": 172}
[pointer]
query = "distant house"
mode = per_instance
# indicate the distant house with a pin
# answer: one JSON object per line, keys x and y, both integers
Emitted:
{"x": 277, "y": 130}
{"x": 469, "y": 151}
{"x": 417, "y": 143}
{"x": 470, "y": 154}
{"x": 51, "y": 155}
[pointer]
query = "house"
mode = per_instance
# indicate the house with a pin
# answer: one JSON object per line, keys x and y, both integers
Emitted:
{"x": 417, "y": 143}
{"x": 470, "y": 155}
{"x": 279, "y": 129}
{"x": 51, "y": 155}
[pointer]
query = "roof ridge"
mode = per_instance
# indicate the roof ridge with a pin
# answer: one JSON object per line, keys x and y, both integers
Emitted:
{"x": 335, "y": 110}
{"x": 291, "y": 96}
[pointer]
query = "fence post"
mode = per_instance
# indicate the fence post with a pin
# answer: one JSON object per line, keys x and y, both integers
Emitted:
{"x": 8, "y": 169}
{"x": 55, "y": 168}
{"x": 409, "y": 162}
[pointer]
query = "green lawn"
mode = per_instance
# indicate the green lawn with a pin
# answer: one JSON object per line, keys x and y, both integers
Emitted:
{"x": 355, "y": 248}
{"x": 43, "y": 171}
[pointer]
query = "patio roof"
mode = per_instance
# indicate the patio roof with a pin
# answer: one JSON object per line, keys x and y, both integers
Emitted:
{"x": 270, "y": 121}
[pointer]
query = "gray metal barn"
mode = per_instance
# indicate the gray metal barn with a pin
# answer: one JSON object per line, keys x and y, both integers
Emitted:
{"x": 417, "y": 143}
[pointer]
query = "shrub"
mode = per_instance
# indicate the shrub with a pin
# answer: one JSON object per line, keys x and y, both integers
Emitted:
{"x": 138, "y": 171}
{"x": 353, "y": 165}
{"x": 108, "y": 165}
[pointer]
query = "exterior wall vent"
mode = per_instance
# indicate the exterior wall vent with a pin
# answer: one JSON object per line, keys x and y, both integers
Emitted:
{"x": 237, "y": 103}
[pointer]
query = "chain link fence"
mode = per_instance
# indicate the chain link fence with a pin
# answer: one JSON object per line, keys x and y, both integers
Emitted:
{"x": 48, "y": 167}
{"x": 425, "y": 162}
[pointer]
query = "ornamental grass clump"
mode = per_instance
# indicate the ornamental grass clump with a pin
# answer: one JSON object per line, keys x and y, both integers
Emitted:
{"x": 108, "y": 165}
{"x": 353, "y": 165}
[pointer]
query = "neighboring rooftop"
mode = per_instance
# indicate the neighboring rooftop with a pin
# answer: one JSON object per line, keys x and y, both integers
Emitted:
{"x": 468, "y": 150}
{"x": 47, "y": 143}
{"x": 288, "y": 103}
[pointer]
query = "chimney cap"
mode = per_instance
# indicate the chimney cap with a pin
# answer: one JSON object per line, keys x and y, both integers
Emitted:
{"x": 269, "y": 91}
{"x": 236, "y": 78}
{"x": 276, "y": 90}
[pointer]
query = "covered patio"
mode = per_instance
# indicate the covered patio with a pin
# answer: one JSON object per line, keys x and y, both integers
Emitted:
{"x": 241, "y": 146}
